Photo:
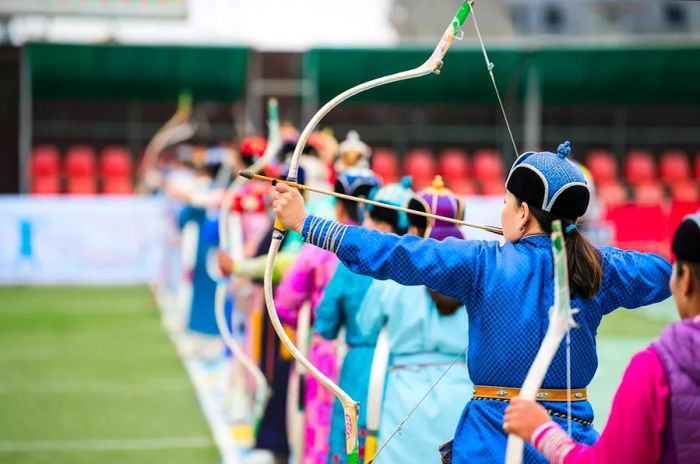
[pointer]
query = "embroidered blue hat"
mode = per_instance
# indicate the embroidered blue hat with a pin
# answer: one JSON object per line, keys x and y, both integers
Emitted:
{"x": 550, "y": 182}
{"x": 399, "y": 194}
{"x": 686, "y": 240}
{"x": 358, "y": 183}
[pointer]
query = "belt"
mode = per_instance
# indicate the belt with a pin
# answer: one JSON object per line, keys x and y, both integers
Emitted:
{"x": 422, "y": 359}
{"x": 544, "y": 394}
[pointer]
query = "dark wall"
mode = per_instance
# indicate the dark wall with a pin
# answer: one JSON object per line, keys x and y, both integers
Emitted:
{"x": 9, "y": 119}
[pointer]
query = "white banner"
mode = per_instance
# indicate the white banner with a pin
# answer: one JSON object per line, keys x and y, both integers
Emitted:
{"x": 484, "y": 210}
{"x": 82, "y": 240}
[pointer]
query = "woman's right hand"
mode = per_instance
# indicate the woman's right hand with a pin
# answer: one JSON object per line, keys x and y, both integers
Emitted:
{"x": 288, "y": 205}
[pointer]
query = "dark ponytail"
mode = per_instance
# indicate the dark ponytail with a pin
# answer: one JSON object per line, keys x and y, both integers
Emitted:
{"x": 584, "y": 260}
{"x": 445, "y": 305}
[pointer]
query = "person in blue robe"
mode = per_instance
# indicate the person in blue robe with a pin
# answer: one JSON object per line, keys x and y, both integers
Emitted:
{"x": 507, "y": 290}
{"x": 426, "y": 368}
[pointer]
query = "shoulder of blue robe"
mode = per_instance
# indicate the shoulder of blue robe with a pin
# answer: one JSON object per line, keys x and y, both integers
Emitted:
{"x": 451, "y": 267}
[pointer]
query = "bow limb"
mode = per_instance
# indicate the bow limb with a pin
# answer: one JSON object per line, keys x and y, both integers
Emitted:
{"x": 176, "y": 129}
{"x": 227, "y": 230}
{"x": 432, "y": 65}
{"x": 560, "y": 321}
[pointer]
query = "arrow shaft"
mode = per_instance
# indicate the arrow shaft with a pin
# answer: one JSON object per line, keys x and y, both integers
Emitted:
{"x": 492, "y": 229}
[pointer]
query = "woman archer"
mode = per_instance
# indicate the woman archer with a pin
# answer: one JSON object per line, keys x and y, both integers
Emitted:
{"x": 507, "y": 290}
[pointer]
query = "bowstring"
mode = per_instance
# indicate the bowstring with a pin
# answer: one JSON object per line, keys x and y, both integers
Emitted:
{"x": 568, "y": 379}
{"x": 489, "y": 67}
{"x": 399, "y": 427}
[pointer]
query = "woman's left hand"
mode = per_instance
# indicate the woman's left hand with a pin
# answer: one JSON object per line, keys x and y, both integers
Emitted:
{"x": 523, "y": 417}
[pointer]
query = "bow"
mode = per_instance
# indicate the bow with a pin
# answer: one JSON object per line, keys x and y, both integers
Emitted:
{"x": 432, "y": 65}
{"x": 175, "y": 130}
{"x": 560, "y": 321}
{"x": 274, "y": 143}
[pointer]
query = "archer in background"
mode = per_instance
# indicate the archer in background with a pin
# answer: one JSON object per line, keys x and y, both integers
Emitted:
{"x": 507, "y": 290}
{"x": 425, "y": 332}
{"x": 655, "y": 417}
{"x": 341, "y": 301}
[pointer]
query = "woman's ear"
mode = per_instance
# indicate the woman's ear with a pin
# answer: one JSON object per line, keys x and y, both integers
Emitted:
{"x": 686, "y": 281}
{"x": 524, "y": 213}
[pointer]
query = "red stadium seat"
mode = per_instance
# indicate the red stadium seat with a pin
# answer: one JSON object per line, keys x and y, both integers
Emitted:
{"x": 649, "y": 194}
{"x": 640, "y": 167}
{"x": 603, "y": 167}
{"x": 612, "y": 193}
{"x": 116, "y": 162}
{"x": 117, "y": 186}
{"x": 116, "y": 168}
{"x": 386, "y": 164}
{"x": 419, "y": 183}
{"x": 45, "y": 161}
{"x": 80, "y": 161}
{"x": 46, "y": 185}
{"x": 80, "y": 170}
{"x": 454, "y": 164}
{"x": 488, "y": 166}
{"x": 674, "y": 166}
{"x": 86, "y": 185}
{"x": 45, "y": 170}
{"x": 686, "y": 190}
{"x": 462, "y": 186}
{"x": 420, "y": 164}
{"x": 697, "y": 166}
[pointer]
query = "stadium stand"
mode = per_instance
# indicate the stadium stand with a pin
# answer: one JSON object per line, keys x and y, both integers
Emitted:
{"x": 80, "y": 170}
{"x": 116, "y": 169}
{"x": 45, "y": 170}
{"x": 419, "y": 163}
{"x": 385, "y": 163}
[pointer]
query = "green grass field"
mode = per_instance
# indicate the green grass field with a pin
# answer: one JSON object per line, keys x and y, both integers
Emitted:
{"x": 88, "y": 376}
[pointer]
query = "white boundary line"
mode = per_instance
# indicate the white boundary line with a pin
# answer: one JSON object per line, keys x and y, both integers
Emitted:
{"x": 203, "y": 377}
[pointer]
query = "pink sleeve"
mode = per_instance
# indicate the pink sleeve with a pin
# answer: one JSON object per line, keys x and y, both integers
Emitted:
{"x": 295, "y": 287}
{"x": 635, "y": 429}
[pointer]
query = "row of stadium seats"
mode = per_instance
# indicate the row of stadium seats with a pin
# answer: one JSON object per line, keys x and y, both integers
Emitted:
{"x": 483, "y": 173}
{"x": 79, "y": 168}
{"x": 644, "y": 182}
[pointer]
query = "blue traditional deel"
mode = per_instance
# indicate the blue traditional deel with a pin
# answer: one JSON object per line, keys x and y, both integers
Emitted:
{"x": 442, "y": 201}
{"x": 399, "y": 194}
{"x": 550, "y": 182}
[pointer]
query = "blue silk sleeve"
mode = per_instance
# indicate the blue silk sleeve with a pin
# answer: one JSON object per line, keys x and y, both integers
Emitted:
{"x": 451, "y": 267}
{"x": 633, "y": 279}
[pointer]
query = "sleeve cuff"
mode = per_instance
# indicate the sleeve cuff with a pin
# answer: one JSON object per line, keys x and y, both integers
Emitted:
{"x": 540, "y": 431}
{"x": 551, "y": 440}
{"x": 323, "y": 233}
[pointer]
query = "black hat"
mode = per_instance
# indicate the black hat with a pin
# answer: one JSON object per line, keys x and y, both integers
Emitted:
{"x": 686, "y": 240}
{"x": 550, "y": 182}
